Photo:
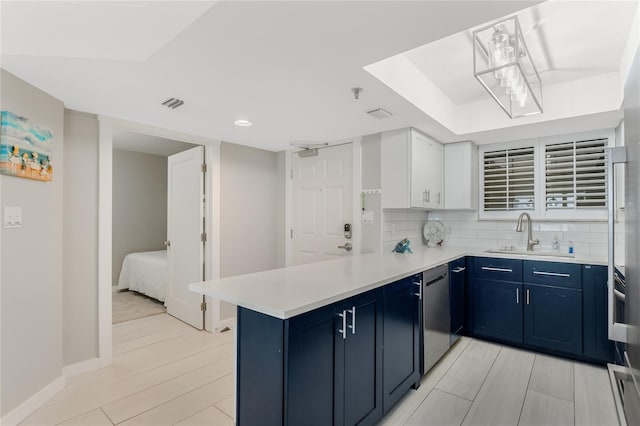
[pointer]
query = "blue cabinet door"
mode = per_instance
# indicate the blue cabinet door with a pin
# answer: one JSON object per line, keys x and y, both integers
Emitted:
{"x": 457, "y": 284}
{"x": 401, "y": 336}
{"x": 553, "y": 318}
{"x": 310, "y": 385}
{"x": 359, "y": 361}
{"x": 595, "y": 314}
{"x": 498, "y": 309}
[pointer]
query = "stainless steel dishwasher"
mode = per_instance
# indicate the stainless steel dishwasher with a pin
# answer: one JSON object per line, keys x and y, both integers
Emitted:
{"x": 435, "y": 314}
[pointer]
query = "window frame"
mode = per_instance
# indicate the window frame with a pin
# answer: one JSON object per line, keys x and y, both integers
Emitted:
{"x": 539, "y": 149}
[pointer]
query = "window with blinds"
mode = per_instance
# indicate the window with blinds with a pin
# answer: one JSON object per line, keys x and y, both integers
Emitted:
{"x": 509, "y": 179}
{"x": 576, "y": 175}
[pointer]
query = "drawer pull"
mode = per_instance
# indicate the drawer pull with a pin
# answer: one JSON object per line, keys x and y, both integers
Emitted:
{"x": 343, "y": 331}
{"x": 517, "y": 296}
{"x": 552, "y": 274}
{"x": 491, "y": 268}
{"x": 459, "y": 269}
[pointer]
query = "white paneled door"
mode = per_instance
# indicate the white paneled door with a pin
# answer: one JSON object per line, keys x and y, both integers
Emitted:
{"x": 185, "y": 227}
{"x": 322, "y": 192}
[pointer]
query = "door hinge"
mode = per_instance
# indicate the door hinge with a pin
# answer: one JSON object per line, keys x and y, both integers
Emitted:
{"x": 203, "y": 237}
{"x": 291, "y": 173}
{"x": 203, "y": 306}
{"x": 291, "y": 234}
{"x": 204, "y": 167}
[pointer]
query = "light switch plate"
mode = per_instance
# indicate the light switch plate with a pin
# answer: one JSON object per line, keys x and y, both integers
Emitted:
{"x": 12, "y": 217}
{"x": 367, "y": 216}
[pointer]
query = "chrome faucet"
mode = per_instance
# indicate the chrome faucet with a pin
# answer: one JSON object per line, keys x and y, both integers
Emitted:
{"x": 530, "y": 241}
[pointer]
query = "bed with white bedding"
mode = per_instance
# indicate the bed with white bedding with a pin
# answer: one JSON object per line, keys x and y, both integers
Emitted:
{"x": 145, "y": 272}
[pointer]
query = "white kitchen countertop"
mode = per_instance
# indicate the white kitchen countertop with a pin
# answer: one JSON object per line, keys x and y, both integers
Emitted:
{"x": 286, "y": 292}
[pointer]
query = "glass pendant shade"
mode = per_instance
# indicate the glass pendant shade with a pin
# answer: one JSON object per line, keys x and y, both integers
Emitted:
{"x": 503, "y": 66}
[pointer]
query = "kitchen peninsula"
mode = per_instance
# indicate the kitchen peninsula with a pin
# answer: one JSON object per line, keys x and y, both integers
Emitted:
{"x": 339, "y": 341}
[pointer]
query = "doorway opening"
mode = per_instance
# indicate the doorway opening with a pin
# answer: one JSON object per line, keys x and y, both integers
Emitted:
{"x": 140, "y": 265}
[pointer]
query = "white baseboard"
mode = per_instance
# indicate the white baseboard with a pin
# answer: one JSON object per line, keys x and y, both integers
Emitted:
{"x": 81, "y": 367}
{"x": 25, "y": 409}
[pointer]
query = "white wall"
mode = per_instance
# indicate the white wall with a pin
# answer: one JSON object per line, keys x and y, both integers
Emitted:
{"x": 80, "y": 238}
{"x": 370, "y": 147}
{"x": 31, "y": 260}
{"x": 249, "y": 211}
{"x": 139, "y": 205}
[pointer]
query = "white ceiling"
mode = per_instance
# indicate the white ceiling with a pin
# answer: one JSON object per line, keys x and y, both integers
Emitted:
{"x": 567, "y": 40}
{"x": 148, "y": 144}
{"x": 286, "y": 66}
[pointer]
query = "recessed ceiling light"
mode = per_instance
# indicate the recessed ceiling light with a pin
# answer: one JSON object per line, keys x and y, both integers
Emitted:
{"x": 242, "y": 123}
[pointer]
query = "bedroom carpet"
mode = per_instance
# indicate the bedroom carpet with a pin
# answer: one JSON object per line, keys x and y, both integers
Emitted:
{"x": 129, "y": 305}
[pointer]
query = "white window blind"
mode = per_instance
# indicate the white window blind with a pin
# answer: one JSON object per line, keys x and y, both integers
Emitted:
{"x": 509, "y": 179}
{"x": 576, "y": 175}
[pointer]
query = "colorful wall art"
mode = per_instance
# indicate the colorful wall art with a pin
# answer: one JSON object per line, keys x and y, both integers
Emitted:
{"x": 25, "y": 148}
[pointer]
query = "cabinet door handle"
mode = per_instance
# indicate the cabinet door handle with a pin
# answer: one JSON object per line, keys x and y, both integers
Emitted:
{"x": 552, "y": 274}
{"x": 424, "y": 197}
{"x": 438, "y": 195}
{"x": 352, "y": 311}
{"x": 517, "y": 296}
{"x": 459, "y": 269}
{"x": 343, "y": 331}
{"x": 428, "y": 196}
{"x": 491, "y": 268}
{"x": 527, "y": 296}
{"x": 419, "y": 293}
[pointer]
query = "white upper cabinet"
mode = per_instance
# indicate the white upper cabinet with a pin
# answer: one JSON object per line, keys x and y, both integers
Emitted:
{"x": 412, "y": 173}
{"x": 461, "y": 176}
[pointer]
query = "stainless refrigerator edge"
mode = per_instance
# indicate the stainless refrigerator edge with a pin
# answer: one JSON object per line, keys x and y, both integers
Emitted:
{"x": 626, "y": 379}
{"x": 631, "y": 400}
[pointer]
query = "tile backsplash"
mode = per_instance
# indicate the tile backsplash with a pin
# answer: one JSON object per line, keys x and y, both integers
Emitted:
{"x": 399, "y": 224}
{"x": 589, "y": 238}
{"x": 465, "y": 230}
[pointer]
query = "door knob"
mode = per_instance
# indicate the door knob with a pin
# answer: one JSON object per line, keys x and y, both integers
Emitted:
{"x": 167, "y": 243}
{"x": 346, "y": 246}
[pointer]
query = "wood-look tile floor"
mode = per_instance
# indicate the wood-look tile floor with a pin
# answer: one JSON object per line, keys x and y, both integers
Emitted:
{"x": 482, "y": 383}
{"x": 166, "y": 373}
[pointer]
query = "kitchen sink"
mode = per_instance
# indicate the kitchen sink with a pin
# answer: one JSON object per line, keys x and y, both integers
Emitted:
{"x": 530, "y": 253}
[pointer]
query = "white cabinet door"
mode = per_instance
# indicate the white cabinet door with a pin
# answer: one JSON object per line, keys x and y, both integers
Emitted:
{"x": 411, "y": 171}
{"x": 434, "y": 159}
{"x": 461, "y": 176}
{"x": 419, "y": 170}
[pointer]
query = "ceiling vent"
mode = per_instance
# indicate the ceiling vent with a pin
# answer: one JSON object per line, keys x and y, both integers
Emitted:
{"x": 173, "y": 103}
{"x": 379, "y": 113}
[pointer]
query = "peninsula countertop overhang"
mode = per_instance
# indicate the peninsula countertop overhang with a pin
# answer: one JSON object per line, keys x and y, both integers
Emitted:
{"x": 286, "y": 292}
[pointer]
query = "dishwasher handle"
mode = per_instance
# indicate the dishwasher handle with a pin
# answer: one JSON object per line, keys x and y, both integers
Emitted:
{"x": 435, "y": 280}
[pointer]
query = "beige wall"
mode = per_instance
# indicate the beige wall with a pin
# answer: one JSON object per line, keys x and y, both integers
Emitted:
{"x": 139, "y": 205}
{"x": 80, "y": 248}
{"x": 249, "y": 209}
{"x": 31, "y": 259}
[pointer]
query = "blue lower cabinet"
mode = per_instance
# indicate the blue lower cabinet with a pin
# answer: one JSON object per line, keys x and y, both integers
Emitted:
{"x": 312, "y": 357}
{"x": 457, "y": 288}
{"x": 498, "y": 309}
{"x": 358, "y": 376}
{"x": 595, "y": 314}
{"x": 401, "y": 339}
{"x": 323, "y": 367}
{"x": 553, "y": 318}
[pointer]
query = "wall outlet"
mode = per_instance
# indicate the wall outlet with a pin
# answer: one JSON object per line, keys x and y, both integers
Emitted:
{"x": 12, "y": 217}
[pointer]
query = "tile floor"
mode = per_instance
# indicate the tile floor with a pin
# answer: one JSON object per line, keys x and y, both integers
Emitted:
{"x": 165, "y": 373}
{"x": 482, "y": 383}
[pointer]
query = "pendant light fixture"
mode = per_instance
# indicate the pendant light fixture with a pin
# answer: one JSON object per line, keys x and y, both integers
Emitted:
{"x": 503, "y": 65}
